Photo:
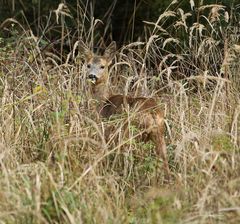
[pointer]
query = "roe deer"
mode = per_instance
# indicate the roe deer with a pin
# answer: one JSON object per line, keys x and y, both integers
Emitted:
{"x": 151, "y": 120}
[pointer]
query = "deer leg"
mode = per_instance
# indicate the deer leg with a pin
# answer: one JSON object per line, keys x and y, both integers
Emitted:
{"x": 161, "y": 150}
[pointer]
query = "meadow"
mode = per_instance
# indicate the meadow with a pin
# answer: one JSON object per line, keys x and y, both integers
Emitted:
{"x": 57, "y": 167}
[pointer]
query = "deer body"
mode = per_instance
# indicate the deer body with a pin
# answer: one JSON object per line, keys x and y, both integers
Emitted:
{"x": 148, "y": 117}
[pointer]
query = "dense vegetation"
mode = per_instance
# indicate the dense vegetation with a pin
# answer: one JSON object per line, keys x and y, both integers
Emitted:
{"x": 55, "y": 164}
{"x": 121, "y": 19}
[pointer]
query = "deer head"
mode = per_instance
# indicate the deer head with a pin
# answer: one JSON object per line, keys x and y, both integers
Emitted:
{"x": 97, "y": 66}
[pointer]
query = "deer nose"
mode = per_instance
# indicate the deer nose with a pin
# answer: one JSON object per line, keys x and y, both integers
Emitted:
{"x": 92, "y": 76}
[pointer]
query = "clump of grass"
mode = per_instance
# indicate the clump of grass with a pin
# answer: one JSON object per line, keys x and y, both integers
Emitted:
{"x": 222, "y": 143}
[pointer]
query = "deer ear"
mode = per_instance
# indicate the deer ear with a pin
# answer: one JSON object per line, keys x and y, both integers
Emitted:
{"x": 84, "y": 50}
{"x": 110, "y": 51}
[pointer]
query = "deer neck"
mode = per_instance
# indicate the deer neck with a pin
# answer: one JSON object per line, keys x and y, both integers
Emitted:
{"x": 100, "y": 90}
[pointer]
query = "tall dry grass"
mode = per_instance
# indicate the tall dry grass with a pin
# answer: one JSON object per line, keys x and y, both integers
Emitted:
{"x": 56, "y": 166}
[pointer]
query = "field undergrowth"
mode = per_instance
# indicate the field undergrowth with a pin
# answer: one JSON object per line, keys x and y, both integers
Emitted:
{"x": 57, "y": 167}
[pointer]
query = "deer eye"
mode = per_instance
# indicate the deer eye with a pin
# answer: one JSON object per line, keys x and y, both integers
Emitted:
{"x": 88, "y": 66}
{"x": 102, "y": 67}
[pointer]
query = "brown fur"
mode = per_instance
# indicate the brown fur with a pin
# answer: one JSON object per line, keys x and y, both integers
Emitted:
{"x": 148, "y": 115}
